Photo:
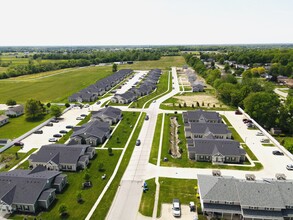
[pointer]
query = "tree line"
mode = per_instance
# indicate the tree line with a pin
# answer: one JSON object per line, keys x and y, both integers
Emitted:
{"x": 69, "y": 60}
{"x": 256, "y": 96}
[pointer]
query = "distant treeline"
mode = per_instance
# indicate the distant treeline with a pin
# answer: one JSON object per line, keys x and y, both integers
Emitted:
{"x": 76, "y": 60}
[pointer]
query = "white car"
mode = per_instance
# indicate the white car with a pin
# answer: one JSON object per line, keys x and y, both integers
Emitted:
{"x": 154, "y": 101}
{"x": 53, "y": 139}
{"x": 176, "y": 208}
{"x": 289, "y": 167}
{"x": 259, "y": 133}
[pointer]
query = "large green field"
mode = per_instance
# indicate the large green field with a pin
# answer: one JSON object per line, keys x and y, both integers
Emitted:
{"x": 51, "y": 88}
{"x": 165, "y": 63}
{"x": 56, "y": 86}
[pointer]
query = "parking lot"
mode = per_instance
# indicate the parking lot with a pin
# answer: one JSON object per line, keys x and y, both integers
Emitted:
{"x": 167, "y": 213}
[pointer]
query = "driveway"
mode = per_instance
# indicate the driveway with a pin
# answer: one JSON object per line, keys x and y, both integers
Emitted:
{"x": 167, "y": 214}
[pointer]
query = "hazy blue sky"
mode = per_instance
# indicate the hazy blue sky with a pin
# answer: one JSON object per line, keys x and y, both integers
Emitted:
{"x": 137, "y": 22}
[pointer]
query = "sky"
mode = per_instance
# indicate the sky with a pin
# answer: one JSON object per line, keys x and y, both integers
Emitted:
{"x": 145, "y": 22}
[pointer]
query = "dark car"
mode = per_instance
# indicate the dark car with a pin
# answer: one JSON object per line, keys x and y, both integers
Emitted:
{"x": 83, "y": 115}
{"x": 50, "y": 124}
{"x": 276, "y": 152}
{"x": 237, "y": 112}
{"x": 137, "y": 143}
{"x": 57, "y": 135}
{"x": 18, "y": 143}
{"x": 38, "y": 132}
{"x": 54, "y": 121}
{"x": 146, "y": 117}
{"x": 69, "y": 126}
{"x": 63, "y": 132}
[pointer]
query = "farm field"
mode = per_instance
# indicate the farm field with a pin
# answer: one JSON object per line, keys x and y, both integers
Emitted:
{"x": 52, "y": 88}
{"x": 165, "y": 63}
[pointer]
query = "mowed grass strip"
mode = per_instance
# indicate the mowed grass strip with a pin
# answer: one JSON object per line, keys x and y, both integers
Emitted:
{"x": 123, "y": 131}
{"x": 106, "y": 202}
{"x": 75, "y": 180}
{"x": 55, "y": 88}
{"x": 146, "y": 206}
{"x": 19, "y": 126}
{"x": 156, "y": 141}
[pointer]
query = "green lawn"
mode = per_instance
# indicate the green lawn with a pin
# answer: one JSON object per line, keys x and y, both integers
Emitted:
{"x": 65, "y": 137}
{"x": 11, "y": 157}
{"x": 105, "y": 204}
{"x": 184, "y": 161}
{"x": 162, "y": 87}
{"x": 156, "y": 141}
{"x": 287, "y": 142}
{"x": 165, "y": 63}
{"x": 148, "y": 198}
{"x": 55, "y": 88}
{"x": 235, "y": 135}
{"x": 75, "y": 179}
{"x": 123, "y": 131}
{"x": 227, "y": 122}
{"x": 249, "y": 152}
{"x": 182, "y": 189}
{"x": 268, "y": 145}
{"x": 19, "y": 126}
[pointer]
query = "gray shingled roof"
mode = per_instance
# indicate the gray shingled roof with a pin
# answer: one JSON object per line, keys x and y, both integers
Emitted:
{"x": 3, "y": 117}
{"x": 225, "y": 147}
{"x": 24, "y": 186}
{"x": 195, "y": 115}
{"x": 45, "y": 194}
{"x": 215, "y": 128}
{"x": 92, "y": 129}
{"x": 59, "y": 153}
{"x": 109, "y": 112}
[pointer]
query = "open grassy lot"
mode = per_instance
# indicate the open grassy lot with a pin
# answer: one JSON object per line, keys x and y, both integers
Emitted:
{"x": 287, "y": 142}
{"x": 165, "y": 63}
{"x": 11, "y": 157}
{"x": 148, "y": 198}
{"x": 184, "y": 161}
{"x": 21, "y": 60}
{"x": 162, "y": 87}
{"x": 105, "y": 204}
{"x": 123, "y": 131}
{"x": 19, "y": 126}
{"x": 156, "y": 141}
{"x": 75, "y": 180}
{"x": 182, "y": 189}
{"x": 2, "y": 69}
{"x": 55, "y": 88}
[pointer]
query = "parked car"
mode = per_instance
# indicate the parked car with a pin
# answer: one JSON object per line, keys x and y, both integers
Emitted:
{"x": 154, "y": 101}
{"x": 146, "y": 117}
{"x": 237, "y": 112}
{"x": 69, "y": 126}
{"x": 57, "y": 135}
{"x": 54, "y": 121}
{"x": 176, "y": 208}
{"x": 83, "y": 115}
{"x": 38, "y": 132}
{"x": 86, "y": 105}
{"x": 137, "y": 143}
{"x": 276, "y": 152}
{"x": 289, "y": 167}
{"x": 265, "y": 140}
{"x": 98, "y": 102}
{"x": 259, "y": 133}
{"x": 244, "y": 120}
{"x": 79, "y": 118}
{"x": 63, "y": 132}
{"x": 50, "y": 124}
{"x": 18, "y": 143}
{"x": 53, "y": 139}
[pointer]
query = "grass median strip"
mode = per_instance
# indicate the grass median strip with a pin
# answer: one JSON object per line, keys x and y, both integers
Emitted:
{"x": 105, "y": 204}
{"x": 148, "y": 199}
{"x": 156, "y": 141}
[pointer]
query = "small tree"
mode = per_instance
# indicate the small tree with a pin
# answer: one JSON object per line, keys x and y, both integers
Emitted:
{"x": 79, "y": 197}
{"x": 202, "y": 104}
{"x": 192, "y": 105}
{"x": 197, "y": 103}
{"x": 117, "y": 140}
{"x": 67, "y": 105}
{"x": 180, "y": 105}
{"x": 10, "y": 102}
{"x": 101, "y": 167}
{"x": 55, "y": 111}
{"x": 214, "y": 105}
{"x": 16, "y": 156}
{"x": 110, "y": 151}
{"x": 185, "y": 104}
{"x": 114, "y": 68}
{"x": 87, "y": 176}
{"x": 48, "y": 105}
{"x": 63, "y": 209}
{"x": 33, "y": 109}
